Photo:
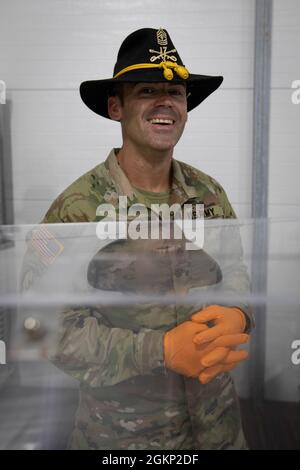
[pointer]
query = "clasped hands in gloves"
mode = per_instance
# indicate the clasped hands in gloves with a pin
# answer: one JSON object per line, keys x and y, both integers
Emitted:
{"x": 195, "y": 350}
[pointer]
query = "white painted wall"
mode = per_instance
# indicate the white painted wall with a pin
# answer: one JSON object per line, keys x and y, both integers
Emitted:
{"x": 283, "y": 321}
{"x": 284, "y": 189}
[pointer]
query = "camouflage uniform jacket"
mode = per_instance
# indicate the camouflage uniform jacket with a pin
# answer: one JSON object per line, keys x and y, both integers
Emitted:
{"x": 127, "y": 400}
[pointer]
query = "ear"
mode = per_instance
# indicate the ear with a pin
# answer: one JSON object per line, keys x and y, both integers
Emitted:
{"x": 114, "y": 108}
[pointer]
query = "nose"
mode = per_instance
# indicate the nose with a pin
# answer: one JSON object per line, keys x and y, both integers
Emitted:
{"x": 163, "y": 98}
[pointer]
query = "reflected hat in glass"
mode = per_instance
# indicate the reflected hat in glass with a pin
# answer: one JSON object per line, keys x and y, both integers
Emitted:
{"x": 148, "y": 55}
{"x": 148, "y": 266}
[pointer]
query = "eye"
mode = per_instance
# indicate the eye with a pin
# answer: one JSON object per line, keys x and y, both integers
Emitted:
{"x": 147, "y": 91}
{"x": 175, "y": 92}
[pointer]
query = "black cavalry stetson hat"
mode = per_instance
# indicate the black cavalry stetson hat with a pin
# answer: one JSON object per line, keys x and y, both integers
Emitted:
{"x": 148, "y": 55}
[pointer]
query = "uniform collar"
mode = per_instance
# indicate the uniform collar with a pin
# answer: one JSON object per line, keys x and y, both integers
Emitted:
{"x": 180, "y": 190}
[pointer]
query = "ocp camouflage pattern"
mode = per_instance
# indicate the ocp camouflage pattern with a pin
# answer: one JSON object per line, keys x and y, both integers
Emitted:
{"x": 128, "y": 399}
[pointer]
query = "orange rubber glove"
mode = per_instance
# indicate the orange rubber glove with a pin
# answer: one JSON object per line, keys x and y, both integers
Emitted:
{"x": 222, "y": 350}
{"x": 211, "y": 372}
{"x": 185, "y": 357}
{"x": 181, "y": 354}
{"x": 226, "y": 321}
{"x": 228, "y": 364}
{"x": 216, "y": 361}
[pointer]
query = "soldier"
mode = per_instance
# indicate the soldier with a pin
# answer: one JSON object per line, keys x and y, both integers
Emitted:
{"x": 152, "y": 376}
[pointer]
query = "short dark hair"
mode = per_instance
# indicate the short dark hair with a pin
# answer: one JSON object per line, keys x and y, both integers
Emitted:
{"x": 117, "y": 89}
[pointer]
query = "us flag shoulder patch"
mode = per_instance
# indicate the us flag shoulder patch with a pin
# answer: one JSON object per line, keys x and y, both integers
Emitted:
{"x": 46, "y": 245}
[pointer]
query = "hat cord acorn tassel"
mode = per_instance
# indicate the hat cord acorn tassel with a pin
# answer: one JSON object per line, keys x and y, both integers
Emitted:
{"x": 181, "y": 71}
{"x": 168, "y": 74}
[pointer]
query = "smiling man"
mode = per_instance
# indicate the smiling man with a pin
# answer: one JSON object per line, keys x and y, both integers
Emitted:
{"x": 153, "y": 117}
{"x": 152, "y": 376}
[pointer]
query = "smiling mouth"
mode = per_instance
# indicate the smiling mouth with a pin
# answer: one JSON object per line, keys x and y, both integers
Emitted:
{"x": 163, "y": 122}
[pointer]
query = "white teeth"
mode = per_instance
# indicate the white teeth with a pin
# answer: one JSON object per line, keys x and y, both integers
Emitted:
{"x": 161, "y": 121}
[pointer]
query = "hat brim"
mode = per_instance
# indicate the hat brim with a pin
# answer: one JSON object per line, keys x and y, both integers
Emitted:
{"x": 94, "y": 93}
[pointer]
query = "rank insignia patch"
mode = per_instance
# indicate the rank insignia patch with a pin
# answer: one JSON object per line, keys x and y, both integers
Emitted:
{"x": 162, "y": 54}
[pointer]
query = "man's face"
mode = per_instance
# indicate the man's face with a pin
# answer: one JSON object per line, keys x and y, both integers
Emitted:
{"x": 152, "y": 115}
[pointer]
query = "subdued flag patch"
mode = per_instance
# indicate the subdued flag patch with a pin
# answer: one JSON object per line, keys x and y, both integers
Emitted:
{"x": 46, "y": 245}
